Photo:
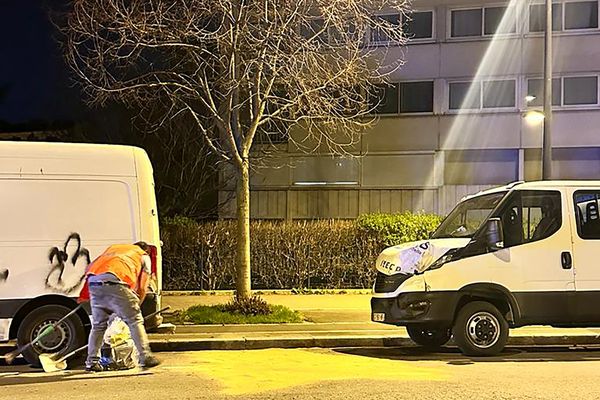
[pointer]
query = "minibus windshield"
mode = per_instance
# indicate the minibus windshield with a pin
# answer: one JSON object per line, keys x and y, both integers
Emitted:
{"x": 467, "y": 216}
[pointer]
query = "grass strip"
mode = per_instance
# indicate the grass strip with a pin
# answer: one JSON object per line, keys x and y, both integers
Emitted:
{"x": 216, "y": 315}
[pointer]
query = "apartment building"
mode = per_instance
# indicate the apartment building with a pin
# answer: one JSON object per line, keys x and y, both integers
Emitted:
{"x": 452, "y": 120}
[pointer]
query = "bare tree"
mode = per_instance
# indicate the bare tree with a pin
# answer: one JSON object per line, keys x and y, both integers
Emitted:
{"x": 186, "y": 171}
{"x": 238, "y": 68}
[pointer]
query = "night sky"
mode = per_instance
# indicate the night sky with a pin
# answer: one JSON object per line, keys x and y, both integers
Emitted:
{"x": 34, "y": 81}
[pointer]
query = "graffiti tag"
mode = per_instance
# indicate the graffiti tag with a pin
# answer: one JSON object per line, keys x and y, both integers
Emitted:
{"x": 71, "y": 253}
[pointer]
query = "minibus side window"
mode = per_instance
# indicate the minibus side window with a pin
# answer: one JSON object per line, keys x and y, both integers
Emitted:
{"x": 531, "y": 215}
{"x": 586, "y": 213}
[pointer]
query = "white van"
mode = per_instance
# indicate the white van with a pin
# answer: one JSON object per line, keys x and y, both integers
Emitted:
{"x": 517, "y": 255}
{"x": 61, "y": 205}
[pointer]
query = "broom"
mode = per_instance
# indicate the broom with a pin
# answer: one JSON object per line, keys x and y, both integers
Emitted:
{"x": 10, "y": 357}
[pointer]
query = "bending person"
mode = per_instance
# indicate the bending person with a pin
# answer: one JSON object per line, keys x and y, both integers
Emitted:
{"x": 118, "y": 281}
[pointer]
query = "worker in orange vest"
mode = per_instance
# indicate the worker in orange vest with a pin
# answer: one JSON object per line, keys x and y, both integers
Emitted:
{"x": 118, "y": 280}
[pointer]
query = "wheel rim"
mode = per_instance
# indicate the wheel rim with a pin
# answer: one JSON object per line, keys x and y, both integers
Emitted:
{"x": 54, "y": 341}
{"x": 483, "y": 329}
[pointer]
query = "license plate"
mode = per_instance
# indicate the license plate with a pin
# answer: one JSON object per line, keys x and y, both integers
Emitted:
{"x": 378, "y": 317}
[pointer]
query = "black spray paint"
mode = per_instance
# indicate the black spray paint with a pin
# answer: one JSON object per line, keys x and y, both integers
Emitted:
{"x": 59, "y": 258}
{"x": 3, "y": 275}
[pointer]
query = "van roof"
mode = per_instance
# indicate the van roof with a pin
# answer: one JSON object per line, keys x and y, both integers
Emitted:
{"x": 551, "y": 184}
{"x": 44, "y": 158}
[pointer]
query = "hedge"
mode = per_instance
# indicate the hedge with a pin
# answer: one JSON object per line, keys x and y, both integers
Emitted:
{"x": 326, "y": 254}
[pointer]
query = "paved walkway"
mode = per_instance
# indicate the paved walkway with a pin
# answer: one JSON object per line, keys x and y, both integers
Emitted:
{"x": 338, "y": 320}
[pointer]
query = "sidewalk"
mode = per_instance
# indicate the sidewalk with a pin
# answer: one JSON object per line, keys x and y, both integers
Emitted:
{"x": 337, "y": 320}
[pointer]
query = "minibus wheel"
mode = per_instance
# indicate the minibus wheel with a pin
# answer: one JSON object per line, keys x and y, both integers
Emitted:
{"x": 67, "y": 336}
{"x": 429, "y": 337}
{"x": 480, "y": 329}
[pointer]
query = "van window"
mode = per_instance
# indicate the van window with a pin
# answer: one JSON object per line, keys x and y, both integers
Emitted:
{"x": 530, "y": 215}
{"x": 586, "y": 214}
{"x": 467, "y": 216}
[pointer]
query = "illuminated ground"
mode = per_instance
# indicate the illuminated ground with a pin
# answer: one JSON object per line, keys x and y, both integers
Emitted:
{"x": 330, "y": 374}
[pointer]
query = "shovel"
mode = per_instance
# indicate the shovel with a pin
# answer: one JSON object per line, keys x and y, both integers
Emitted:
{"x": 49, "y": 364}
{"x": 10, "y": 357}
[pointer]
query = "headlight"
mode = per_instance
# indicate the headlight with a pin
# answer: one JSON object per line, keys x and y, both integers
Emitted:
{"x": 439, "y": 262}
{"x": 449, "y": 256}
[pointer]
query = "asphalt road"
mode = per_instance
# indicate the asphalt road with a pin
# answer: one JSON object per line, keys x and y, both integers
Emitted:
{"x": 353, "y": 373}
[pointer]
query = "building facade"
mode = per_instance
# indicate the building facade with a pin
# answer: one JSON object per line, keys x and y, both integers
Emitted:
{"x": 452, "y": 122}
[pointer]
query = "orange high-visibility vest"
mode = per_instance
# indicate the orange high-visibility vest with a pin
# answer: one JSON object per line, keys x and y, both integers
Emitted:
{"x": 122, "y": 260}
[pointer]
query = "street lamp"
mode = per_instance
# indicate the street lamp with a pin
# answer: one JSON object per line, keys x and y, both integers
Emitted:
{"x": 547, "y": 114}
{"x": 535, "y": 118}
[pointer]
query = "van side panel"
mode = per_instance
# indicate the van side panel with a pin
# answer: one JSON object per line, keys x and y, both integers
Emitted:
{"x": 52, "y": 229}
{"x": 22, "y": 159}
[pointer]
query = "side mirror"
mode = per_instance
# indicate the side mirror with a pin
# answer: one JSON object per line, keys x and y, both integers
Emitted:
{"x": 494, "y": 236}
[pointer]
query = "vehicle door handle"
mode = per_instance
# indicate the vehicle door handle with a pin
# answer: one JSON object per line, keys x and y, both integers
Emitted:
{"x": 566, "y": 260}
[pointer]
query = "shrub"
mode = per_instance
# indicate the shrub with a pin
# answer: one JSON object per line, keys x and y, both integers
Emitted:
{"x": 392, "y": 229}
{"x": 254, "y": 305}
{"x": 323, "y": 254}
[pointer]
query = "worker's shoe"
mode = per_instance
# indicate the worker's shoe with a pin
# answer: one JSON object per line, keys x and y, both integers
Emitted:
{"x": 94, "y": 367}
{"x": 150, "y": 362}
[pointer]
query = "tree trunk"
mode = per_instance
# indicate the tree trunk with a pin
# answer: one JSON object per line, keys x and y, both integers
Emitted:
{"x": 242, "y": 281}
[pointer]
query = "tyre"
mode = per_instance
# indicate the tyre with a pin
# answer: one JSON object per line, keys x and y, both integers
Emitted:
{"x": 480, "y": 329}
{"x": 428, "y": 337}
{"x": 67, "y": 336}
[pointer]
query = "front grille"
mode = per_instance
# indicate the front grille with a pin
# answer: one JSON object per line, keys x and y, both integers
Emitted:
{"x": 386, "y": 283}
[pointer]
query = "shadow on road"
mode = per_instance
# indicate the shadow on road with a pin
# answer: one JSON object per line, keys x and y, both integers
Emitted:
{"x": 453, "y": 356}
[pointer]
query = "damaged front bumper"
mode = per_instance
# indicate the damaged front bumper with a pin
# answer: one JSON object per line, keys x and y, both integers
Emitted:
{"x": 431, "y": 308}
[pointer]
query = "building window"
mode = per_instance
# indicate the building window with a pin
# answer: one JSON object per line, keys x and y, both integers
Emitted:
{"x": 500, "y": 93}
{"x": 482, "y": 21}
{"x": 537, "y": 17}
{"x": 383, "y": 99}
{"x": 465, "y": 95}
{"x": 419, "y": 25}
{"x": 581, "y": 15}
{"x": 416, "y": 97}
{"x": 466, "y": 23}
{"x": 580, "y": 90}
{"x": 378, "y": 35}
{"x": 535, "y": 88}
{"x": 568, "y": 15}
{"x": 567, "y": 91}
{"x": 493, "y": 21}
{"x": 323, "y": 171}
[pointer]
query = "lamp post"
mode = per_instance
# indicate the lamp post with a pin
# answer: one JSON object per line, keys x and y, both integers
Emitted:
{"x": 547, "y": 136}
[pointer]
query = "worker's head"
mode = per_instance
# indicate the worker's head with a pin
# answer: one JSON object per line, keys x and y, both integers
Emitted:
{"x": 142, "y": 245}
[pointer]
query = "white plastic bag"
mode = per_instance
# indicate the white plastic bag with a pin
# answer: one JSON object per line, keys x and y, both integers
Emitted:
{"x": 118, "y": 350}
{"x": 408, "y": 258}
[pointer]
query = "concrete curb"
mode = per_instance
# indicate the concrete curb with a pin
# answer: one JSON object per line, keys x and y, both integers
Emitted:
{"x": 281, "y": 343}
{"x": 175, "y": 344}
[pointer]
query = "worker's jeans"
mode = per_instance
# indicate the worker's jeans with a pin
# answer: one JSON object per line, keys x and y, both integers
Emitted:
{"x": 120, "y": 300}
